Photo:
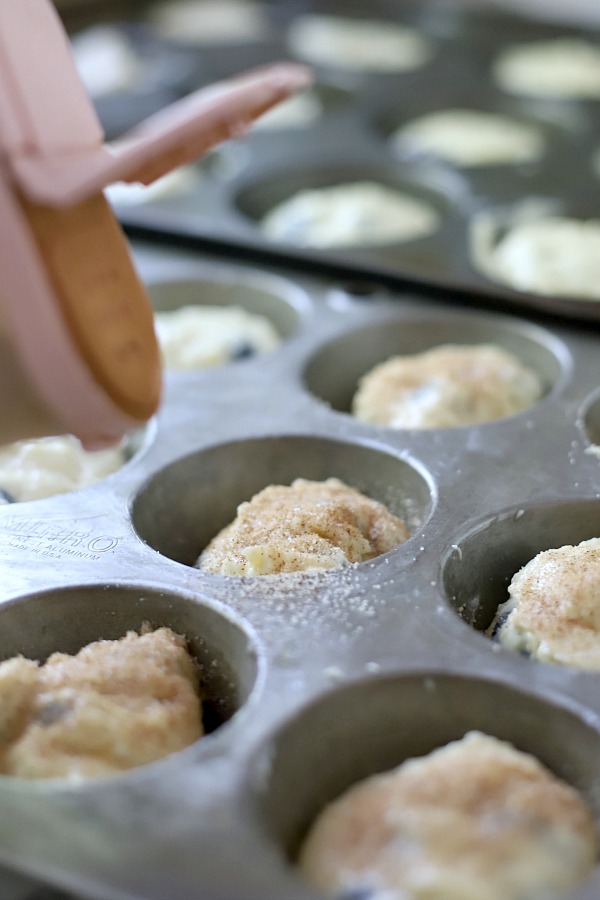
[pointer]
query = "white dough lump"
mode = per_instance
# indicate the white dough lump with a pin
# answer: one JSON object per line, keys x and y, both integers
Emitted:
{"x": 565, "y": 67}
{"x": 194, "y": 337}
{"x": 309, "y": 525}
{"x": 106, "y": 60}
{"x": 474, "y": 820}
{"x": 553, "y": 613}
{"x": 44, "y": 467}
{"x": 446, "y": 387}
{"x": 360, "y": 44}
{"x": 355, "y": 214}
{"x": 554, "y": 256}
{"x": 299, "y": 111}
{"x": 467, "y": 137}
{"x": 211, "y": 22}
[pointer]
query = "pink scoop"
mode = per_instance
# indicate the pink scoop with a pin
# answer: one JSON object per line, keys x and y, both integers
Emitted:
{"x": 52, "y": 152}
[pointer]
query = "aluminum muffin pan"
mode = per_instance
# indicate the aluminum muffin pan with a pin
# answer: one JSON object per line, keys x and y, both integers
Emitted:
{"x": 313, "y": 680}
{"x": 352, "y": 140}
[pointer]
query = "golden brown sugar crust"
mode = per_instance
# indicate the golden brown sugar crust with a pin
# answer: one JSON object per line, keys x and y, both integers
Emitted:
{"x": 474, "y": 820}
{"x": 308, "y": 525}
{"x": 113, "y": 706}
{"x": 449, "y": 386}
{"x": 555, "y": 616}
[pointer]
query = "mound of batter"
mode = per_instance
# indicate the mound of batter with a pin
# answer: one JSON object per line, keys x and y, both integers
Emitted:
{"x": 554, "y": 256}
{"x": 300, "y": 111}
{"x": 173, "y": 184}
{"x": 113, "y": 706}
{"x": 44, "y": 467}
{"x": 194, "y": 337}
{"x": 474, "y": 820}
{"x": 361, "y": 44}
{"x": 211, "y": 21}
{"x": 469, "y": 138}
{"x": 306, "y": 526}
{"x": 564, "y": 67}
{"x": 362, "y": 213}
{"x": 446, "y": 387}
{"x": 552, "y": 613}
{"x": 106, "y": 60}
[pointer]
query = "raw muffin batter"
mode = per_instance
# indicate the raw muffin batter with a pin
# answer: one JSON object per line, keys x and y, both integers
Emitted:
{"x": 194, "y": 337}
{"x": 175, "y": 183}
{"x": 551, "y": 256}
{"x": 553, "y": 613}
{"x": 360, "y": 44}
{"x": 116, "y": 705}
{"x": 43, "y": 467}
{"x": 565, "y": 67}
{"x": 306, "y": 526}
{"x": 474, "y": 820}
{"x": 446, "y": 387}
{"x": 467, "y": 137}
{"x": 299, "y": 111}
{"x": 346, "y": 215}
{"x": 211, "y": 21}
{"x": 190, "y": 337}
{"x": 106, "y": 60}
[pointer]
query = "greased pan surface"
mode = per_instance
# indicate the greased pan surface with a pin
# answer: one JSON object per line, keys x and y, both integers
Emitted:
{"x": 314, "y": 680}
{"x": 351, "y": 141}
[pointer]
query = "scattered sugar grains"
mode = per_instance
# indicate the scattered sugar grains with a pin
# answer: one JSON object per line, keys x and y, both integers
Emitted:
{"x": 446, "y": 387}
{"x": 552, "y": 613}
{"x": 113, "y": 706}
{"x": 309, "y": 525}
{"x": 476, "y": 820}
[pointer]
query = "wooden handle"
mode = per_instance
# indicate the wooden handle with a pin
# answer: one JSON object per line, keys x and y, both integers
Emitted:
{"x": 103, "y": 301}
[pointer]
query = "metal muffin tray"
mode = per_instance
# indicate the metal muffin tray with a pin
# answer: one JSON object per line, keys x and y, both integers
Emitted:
{"x": 313, "y": 680}
{"x": 351, "y": 142}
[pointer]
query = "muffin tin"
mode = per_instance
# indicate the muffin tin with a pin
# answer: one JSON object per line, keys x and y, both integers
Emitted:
{"x": 314, "y": 680}
{"x": 352, "y": 141}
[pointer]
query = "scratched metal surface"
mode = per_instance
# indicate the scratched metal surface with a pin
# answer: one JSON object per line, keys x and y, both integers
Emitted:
{"x": 351, "y": 141}
{"x": 313, "y": 681}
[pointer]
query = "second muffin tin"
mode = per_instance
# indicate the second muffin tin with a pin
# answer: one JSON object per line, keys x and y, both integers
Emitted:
{"x": 351, "y": 142}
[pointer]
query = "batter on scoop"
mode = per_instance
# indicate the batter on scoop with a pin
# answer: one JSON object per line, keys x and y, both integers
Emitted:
{"x": 113, "y": 706}
{"x": 553, "y": 613}
{"x": 446, "y": 387}
{"x": 309, "y": 525}
{"x": 191, "y": 337}
{"x": 474, "y": 820}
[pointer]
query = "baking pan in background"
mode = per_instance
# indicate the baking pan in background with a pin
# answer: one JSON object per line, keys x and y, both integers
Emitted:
{"x": 229, "y": 192}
